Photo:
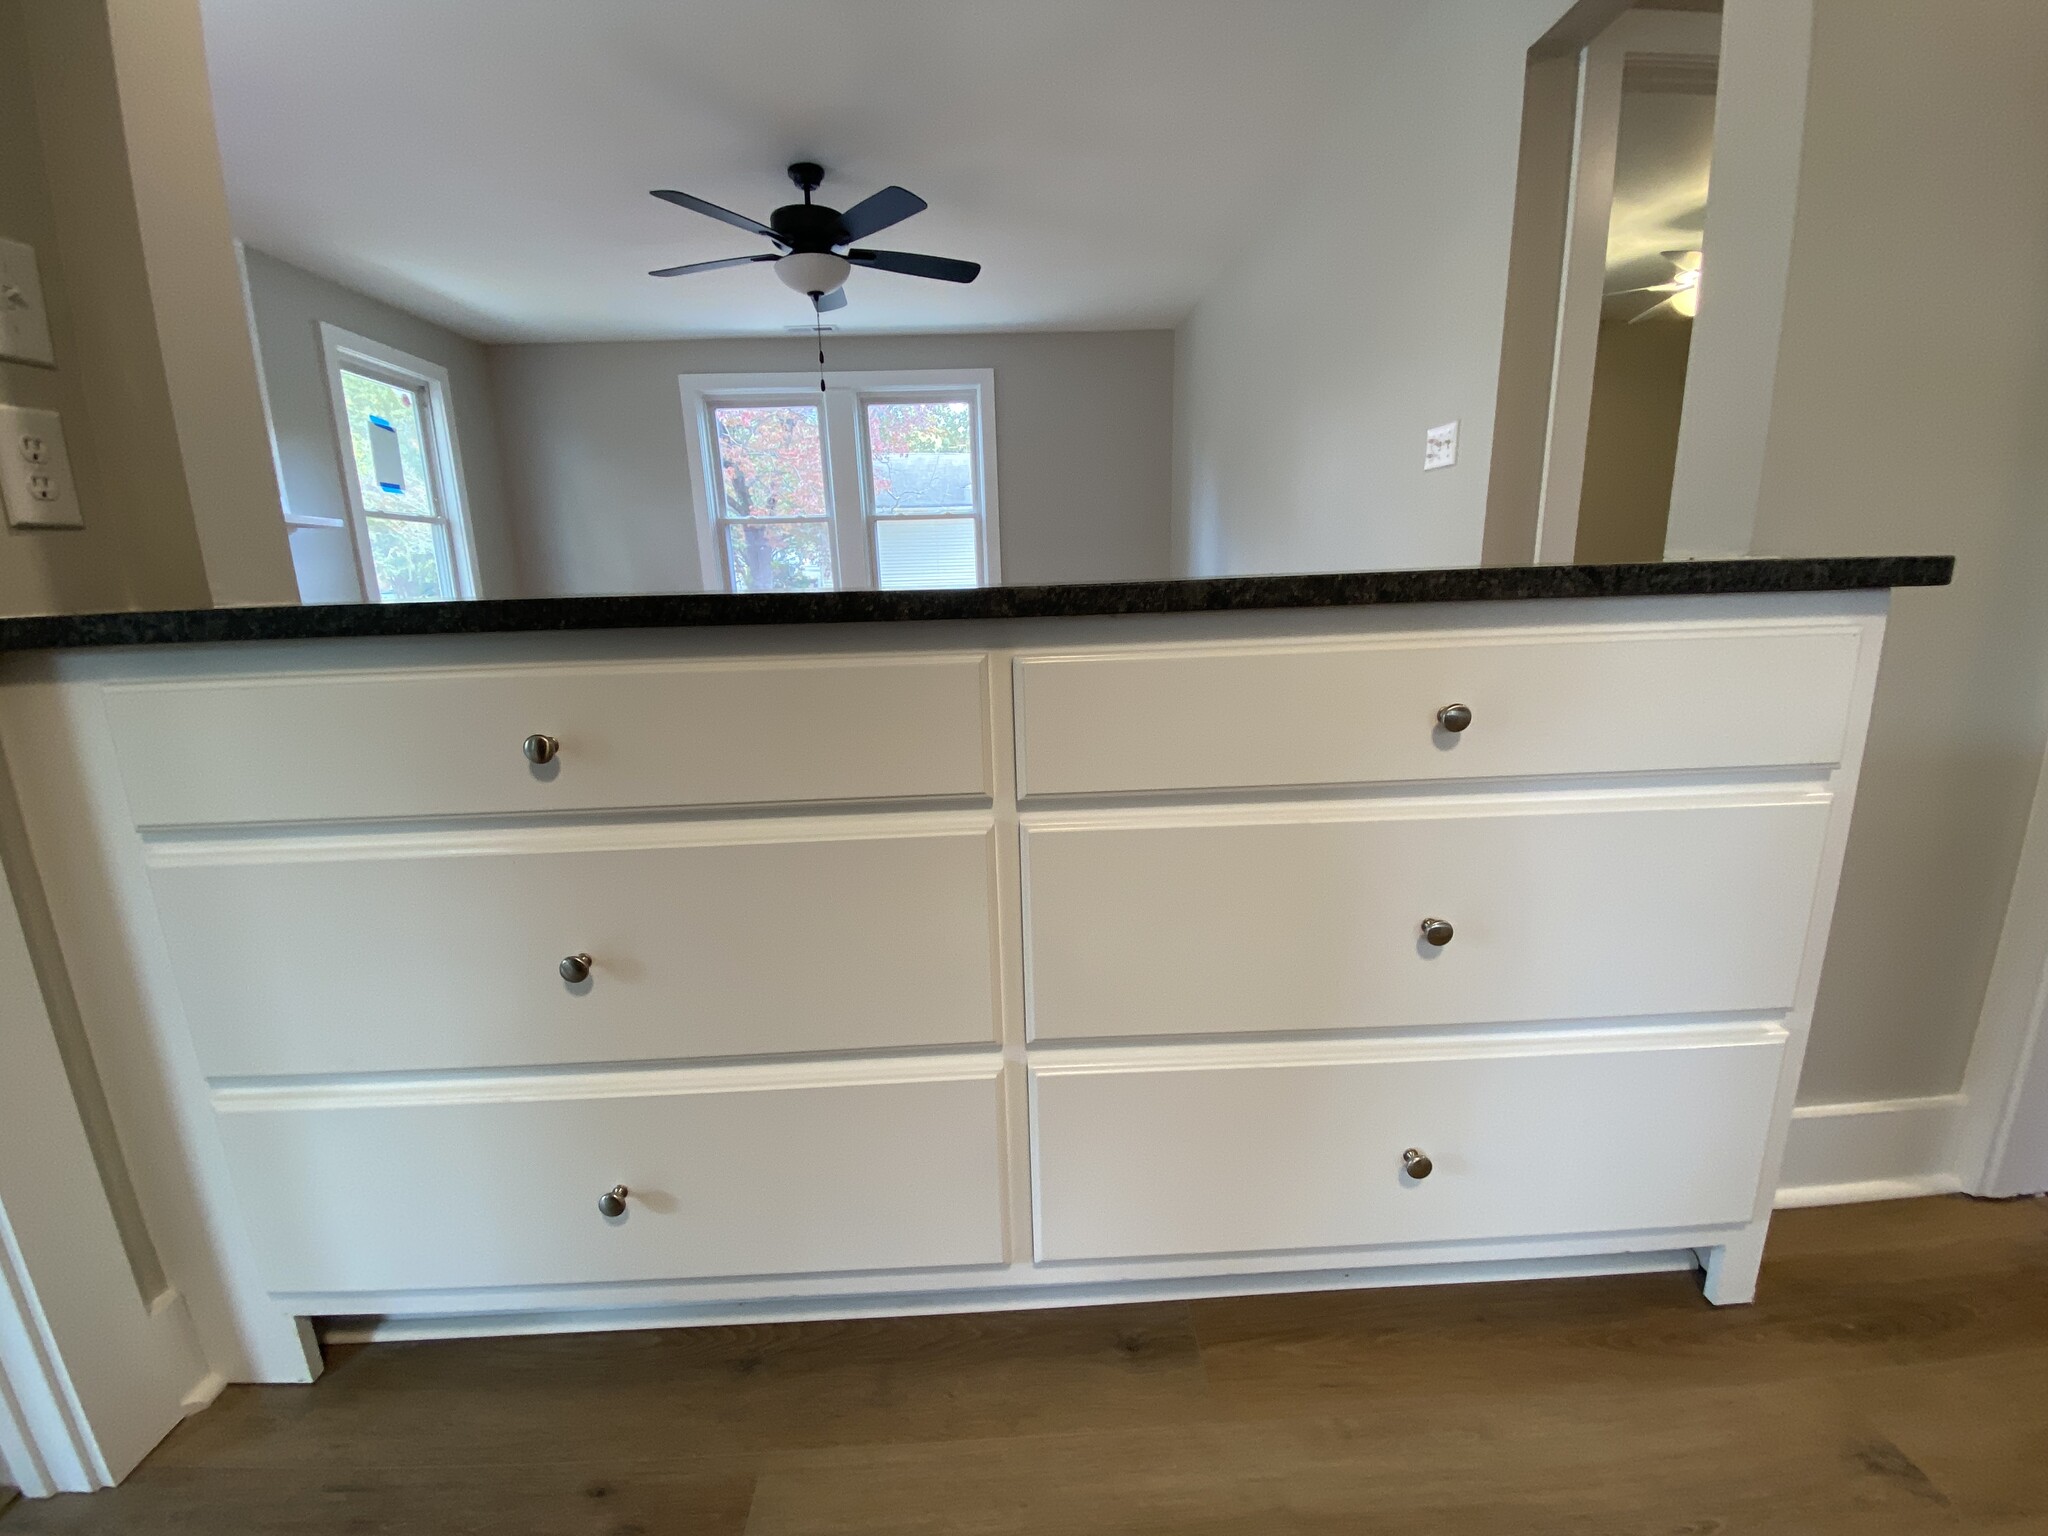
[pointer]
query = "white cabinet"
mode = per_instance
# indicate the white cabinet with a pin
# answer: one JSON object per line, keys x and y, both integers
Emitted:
{"x": 865, "y": 1008}
{"x": 496, "y": 1184}
{"x": 1243, "y": 1152}
{"x": 1353, "y": 712}
{"x": 1309, "y": 918}
{"x": 442, "y": 952}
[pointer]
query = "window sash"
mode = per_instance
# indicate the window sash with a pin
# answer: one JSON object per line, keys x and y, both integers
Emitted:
{"x": 725, "y": 530}
{"x": 974, "y": 512}
{"x": 722, "y": 507}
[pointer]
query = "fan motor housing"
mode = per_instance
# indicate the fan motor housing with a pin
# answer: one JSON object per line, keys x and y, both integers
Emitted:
{"x": 808, "y": 227}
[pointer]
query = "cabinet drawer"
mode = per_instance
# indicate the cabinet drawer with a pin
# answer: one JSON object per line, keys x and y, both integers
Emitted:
{"x": 1220, "y": 717}
{"x": 361, "y": 747}
{"x": 423, "y": 1188}
{"x": 1244, "y": 1154}
{"x": 1190, "y": 923}
{"x": 375, "y": 954}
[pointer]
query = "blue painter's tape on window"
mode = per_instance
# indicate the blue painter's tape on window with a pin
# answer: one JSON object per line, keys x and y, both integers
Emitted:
{"x": 384, "y": 459}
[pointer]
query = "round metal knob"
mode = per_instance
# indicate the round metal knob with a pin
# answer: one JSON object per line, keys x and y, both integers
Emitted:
{"x": 1454, "y": 717}
{"x": 1436, "y": 931}
{"x": 540, "y": 749}
{"x": 613, "y": 1201}
{"x": 1416, "y": 1164}
{"x": 575, "y": 967}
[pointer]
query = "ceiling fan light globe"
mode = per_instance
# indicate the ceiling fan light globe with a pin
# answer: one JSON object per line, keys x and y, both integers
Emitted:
{"x": 812, "y": 272}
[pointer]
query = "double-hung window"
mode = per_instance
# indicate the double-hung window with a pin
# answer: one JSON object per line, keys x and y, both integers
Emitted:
{"x": 880, "y": 480}
{"x": 394, "y": 428}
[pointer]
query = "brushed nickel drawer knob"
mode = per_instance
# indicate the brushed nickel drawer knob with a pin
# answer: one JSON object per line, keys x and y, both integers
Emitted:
{"x": 540, "y": 749}
{"x": 1434, "y": 929}
{"x": 613, "y": 1201}
{"x": 1416, "y": 1164}
{"x": 1454, "y": 717}
{"x": 575, "y": 967}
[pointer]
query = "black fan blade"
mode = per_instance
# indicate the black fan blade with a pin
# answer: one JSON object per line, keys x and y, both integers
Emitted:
{"x": 712, "y": 266}
{"x": 836, "y": 299}
{"x": 712, "y": 210}
{"x": 891, "y": 205}
{"x": 910, "y": 264}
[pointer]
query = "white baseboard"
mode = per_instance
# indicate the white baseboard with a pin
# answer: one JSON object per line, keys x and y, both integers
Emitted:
{"x": 1882, "y": 1149}
{"x": 202, "y": 1392}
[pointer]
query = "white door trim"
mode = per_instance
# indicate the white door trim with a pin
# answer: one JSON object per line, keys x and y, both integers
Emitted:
{"x": 1601, "y": 66}
{"x": 93, "y": 1373}
{"x": 2002, "y": 1142}
{"x": 45, "y": 1445}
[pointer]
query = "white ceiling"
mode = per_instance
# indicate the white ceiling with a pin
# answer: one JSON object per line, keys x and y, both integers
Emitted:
{"x": 486, "y": 163}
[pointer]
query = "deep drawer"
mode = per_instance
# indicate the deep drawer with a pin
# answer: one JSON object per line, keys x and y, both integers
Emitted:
{"x": 1349, "y": 712}
{"x": 1308, "y": 918}
{"x": 343, "y": 746}
{"x": 498, "y": 1184}
{"x": 379, "y": 954}
{"x": 1238, "y": 1152}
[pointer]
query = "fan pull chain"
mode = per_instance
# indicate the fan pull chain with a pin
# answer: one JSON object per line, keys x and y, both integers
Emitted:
{"x": 818, "y": 323}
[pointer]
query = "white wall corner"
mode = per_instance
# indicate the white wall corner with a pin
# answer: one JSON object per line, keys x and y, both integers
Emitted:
{"x": 1880, "y": 1149}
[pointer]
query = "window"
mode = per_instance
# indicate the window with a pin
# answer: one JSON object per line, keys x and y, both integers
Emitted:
{"x": 881, "y": 480}
{"x": 393, "y": 424}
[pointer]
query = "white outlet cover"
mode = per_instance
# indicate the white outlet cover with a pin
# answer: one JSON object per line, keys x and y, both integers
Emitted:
{"x": 35, "y": 470}
{"x": 24, "y": 323}
{"x": 1440, "y": 446}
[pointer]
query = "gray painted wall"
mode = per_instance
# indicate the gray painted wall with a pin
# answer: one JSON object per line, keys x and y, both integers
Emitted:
{"x": 1911, "y": 413}
{"x": 598, "y": 472}
{"x": 1364, "y": 316}
{"x": 289, "y": 303}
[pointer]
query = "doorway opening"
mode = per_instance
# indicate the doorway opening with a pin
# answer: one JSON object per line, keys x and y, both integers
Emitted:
{"x": 1607, "y": 275}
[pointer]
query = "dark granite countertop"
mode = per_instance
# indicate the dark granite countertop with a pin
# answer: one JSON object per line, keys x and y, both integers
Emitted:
{"x": 1215, "y": 595}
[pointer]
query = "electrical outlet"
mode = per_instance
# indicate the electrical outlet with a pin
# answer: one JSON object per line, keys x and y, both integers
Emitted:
{"x": 35, "y": 471}
{"x": 24, "y": 323}
{"x": 1440, "y": 446}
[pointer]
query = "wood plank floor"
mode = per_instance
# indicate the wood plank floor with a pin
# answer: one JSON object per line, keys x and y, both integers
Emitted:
{"x": 1892, "y": 1378}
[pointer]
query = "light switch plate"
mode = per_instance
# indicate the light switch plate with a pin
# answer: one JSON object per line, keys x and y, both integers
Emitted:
{"x": 1440, "y": 446}
{"x": 24, "y": 323}
{"x": 35, "y": 470}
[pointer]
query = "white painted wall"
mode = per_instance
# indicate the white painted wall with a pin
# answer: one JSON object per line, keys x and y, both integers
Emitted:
{"x": 598, "y": 472}
{"x": 1758, "y": 127}
{"x": 1368, "y": 314}
{"x": 165, "y": 114}
{"x": 289, "y": 303}
{"x": 1911, "y": 413}
{"x": 64, "y": 190}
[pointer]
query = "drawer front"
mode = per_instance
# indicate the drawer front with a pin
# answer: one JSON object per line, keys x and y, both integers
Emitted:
{"x": 763, "y": 1180}
{"x": 342, "y": 747}
{"x": 393, "y": 954}
{"x": 1247, "y": 1158}
{"x": 1207, "y": 926}
{"x": 1221, "y": 717}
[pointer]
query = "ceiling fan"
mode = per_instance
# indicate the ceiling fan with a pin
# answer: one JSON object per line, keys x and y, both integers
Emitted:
{"x": 1681, "y": 294}
{"x": 815, "y": 248}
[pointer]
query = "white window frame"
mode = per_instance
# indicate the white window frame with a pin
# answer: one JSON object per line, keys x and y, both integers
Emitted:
{"x": 853, "y": 559}
{"x": 341, "y": 349}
